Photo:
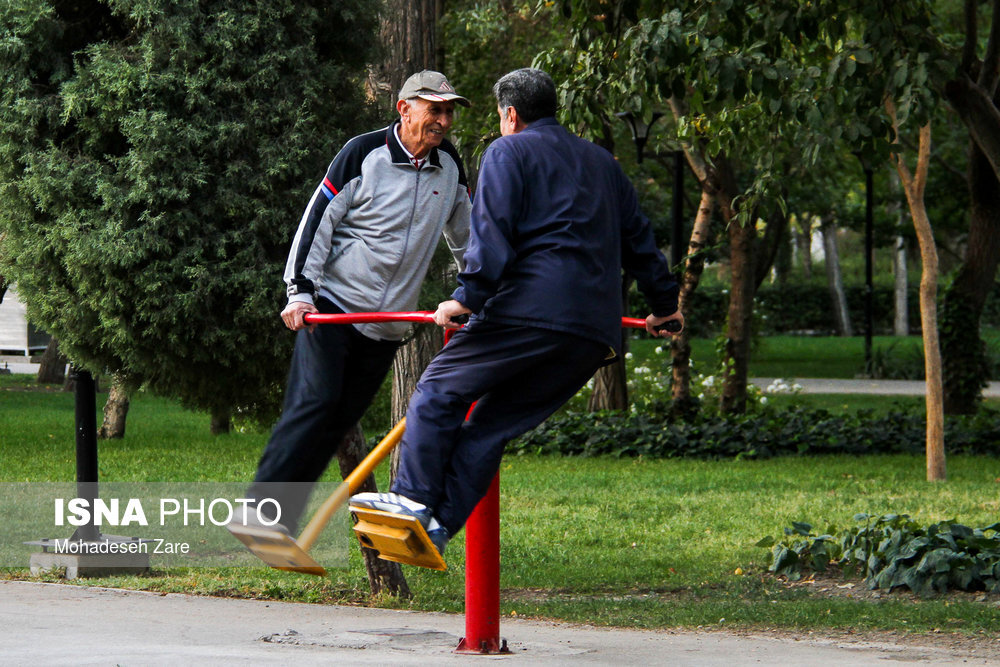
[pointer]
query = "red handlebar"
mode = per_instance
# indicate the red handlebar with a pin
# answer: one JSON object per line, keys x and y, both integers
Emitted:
{"x": 417, "y": 316}
{"x": 367, "y": 318}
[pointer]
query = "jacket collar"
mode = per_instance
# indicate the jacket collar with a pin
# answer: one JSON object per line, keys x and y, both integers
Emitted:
{"x": 398, "y": 153}
{"x": 542, "y": 122}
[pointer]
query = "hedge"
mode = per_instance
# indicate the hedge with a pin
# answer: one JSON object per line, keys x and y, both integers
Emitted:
{"x": 795, "y": 431}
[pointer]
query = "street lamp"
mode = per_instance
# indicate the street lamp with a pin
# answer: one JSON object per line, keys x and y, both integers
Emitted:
{"x": 640, "y": 131}
{"x": 640, "y": 135}
{"x": 869, "y": 289}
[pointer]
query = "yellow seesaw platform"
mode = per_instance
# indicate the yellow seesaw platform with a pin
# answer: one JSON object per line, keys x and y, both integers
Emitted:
{"x": 396, "y": 537}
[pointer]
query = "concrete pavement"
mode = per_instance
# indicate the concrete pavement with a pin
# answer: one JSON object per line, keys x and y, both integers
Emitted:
{"x": 59, "y": 624}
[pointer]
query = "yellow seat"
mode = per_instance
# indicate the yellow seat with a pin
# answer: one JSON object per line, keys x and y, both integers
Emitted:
{"x": 396, "y": 537}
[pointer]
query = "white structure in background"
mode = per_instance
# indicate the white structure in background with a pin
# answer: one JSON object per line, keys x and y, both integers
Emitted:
{"x": 17, "y": 335}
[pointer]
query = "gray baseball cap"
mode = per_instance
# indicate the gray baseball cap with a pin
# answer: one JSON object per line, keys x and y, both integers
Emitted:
{"x": 432, "y": 86}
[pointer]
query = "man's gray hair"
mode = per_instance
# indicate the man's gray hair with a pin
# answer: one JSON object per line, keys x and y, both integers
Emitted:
{"x": 531, "y": 91}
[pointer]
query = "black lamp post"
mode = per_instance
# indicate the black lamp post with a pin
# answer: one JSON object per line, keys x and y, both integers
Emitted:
{"x": 640, "y": 135}
{"x": 869, "y": 289}
{"x": 640, "y": 131}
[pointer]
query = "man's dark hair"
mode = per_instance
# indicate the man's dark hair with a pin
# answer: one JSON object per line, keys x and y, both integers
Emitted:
{"x": 531, "y": 91}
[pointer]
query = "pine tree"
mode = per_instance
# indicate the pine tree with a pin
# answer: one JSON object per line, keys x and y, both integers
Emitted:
{"x": 155, "y": 157}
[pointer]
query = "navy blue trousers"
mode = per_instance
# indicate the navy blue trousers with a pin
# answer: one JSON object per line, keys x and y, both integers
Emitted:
{"x": 334, "y": 375}
{"x": 519, "y": 376}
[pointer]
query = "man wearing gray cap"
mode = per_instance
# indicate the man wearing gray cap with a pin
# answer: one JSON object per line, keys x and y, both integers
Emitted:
{"x": 364, "y": 243}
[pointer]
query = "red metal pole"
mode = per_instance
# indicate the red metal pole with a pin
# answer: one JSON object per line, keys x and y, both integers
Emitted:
{"x": 482, "y": 577}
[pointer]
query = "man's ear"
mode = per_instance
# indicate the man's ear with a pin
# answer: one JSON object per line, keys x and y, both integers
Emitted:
{"x": 403, "y": 107}
{"x": 515, "y": 120}
{"x": 512, "y": 116}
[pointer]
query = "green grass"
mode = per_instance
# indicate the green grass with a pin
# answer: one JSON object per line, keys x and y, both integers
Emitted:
{"x": 793, "y": 356}
{"x": 641, "y": 543}
{"x": 805, "y": 356}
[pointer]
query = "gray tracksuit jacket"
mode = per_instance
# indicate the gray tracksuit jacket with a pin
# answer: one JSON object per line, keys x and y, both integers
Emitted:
{"x": 368, "y": 234}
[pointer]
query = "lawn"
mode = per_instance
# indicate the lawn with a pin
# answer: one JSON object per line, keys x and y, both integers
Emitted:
{"x": 795, "y": 356}
{"x": 634, "y": 542}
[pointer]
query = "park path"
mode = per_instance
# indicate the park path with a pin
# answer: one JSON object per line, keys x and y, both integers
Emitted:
{"x": 62, "y": 624}
{"x": 863, "y": 386}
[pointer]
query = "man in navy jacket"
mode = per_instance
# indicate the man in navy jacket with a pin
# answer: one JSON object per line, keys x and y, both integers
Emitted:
{"x": 554, "y": 222}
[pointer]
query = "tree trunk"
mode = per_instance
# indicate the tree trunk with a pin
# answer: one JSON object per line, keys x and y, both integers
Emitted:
{"x": 738, "y": 326}
{"x": 220, "y": 421}
{"x": 115, "y": 411}
{"x": 804, "y": 241}
{"x": 766, "y": 252}
{"x": 914, "y": 185}
{"x": 901, "y": 300}
{"x": 383, "y": 576}
{"x": 409, "y": 37}
{"x": 3, "y": 288}
{"x": 834, "y": 279}
{"x": 901, "y": 320}
{"x": 962, "y": 348}
{"x": 52, "y": 369}
{"x": 407, "y": 367}
{"x": 610, "y": 388}
{"x": 611, "y": 381}
{"x": 973, "y": 94}
{"x": 717, "y": 177}
{"x": 680, "y": 345}
{"x": 409, "y": 364}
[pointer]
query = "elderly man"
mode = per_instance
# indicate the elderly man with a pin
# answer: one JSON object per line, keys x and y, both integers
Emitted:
{"x": 364, "y": 243}
{"x": 554, "y": 222}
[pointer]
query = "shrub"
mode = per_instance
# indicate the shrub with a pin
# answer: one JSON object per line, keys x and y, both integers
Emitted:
{"x": 768, "y": 433}
{"x": 894, "y": 551}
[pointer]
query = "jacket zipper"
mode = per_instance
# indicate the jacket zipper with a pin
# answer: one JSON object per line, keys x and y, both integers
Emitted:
{"x": 406, "y": 242}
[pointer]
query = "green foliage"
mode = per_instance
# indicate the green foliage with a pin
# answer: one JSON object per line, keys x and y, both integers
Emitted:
{"x": 155, "y": 157}
{"x": 764, "y": 434}
{"x": 758, "y": 82}
{"x": 894, "y": 551}
{"x": 789, "y": 308}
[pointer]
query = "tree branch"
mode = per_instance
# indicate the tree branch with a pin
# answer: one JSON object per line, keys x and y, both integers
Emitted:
{"x": 976, "y": 109}
{"x": 971, "y": 35}
{"x": 990, "y": 72}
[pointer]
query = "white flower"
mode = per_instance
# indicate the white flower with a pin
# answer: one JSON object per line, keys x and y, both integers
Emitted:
{"x": 709, "y": 381}
{"x": 763, "y": 400}
{"x": 628, "y": 355}
{"x": 659, "y": 350}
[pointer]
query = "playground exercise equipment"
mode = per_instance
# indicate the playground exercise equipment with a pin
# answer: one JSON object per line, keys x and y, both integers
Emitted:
{"x": 403, "y": 539}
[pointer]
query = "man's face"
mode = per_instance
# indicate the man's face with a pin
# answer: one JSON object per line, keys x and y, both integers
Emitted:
{"x": 424, "y": 124}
